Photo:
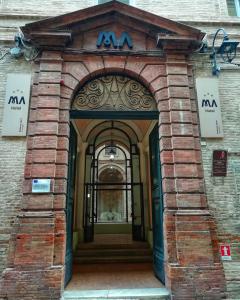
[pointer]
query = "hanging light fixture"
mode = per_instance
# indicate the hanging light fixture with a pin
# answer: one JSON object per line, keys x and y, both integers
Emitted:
{"x": 112, "y": 152}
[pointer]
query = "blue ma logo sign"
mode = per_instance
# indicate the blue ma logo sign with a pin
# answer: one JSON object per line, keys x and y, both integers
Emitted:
{"x": 209, "y": 103}
{"x": 16, "y": 100}
{"x": 108, "y": 38}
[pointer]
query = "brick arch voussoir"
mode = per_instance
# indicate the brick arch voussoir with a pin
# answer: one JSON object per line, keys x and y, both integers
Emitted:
{"x": 153, "y": 73}
{"x": 73, "y": 83}
{"x": 74, "y": 74}
{"x": 134, "y": 66}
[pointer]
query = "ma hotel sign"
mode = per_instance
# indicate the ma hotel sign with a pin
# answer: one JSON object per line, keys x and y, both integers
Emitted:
{"x": 108, "y": 39}
{"x": 16, "y": 105}
{"x": 209, "y": 107}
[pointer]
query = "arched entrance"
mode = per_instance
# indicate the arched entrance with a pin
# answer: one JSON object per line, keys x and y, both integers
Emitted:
{"x": 115, "y": 196}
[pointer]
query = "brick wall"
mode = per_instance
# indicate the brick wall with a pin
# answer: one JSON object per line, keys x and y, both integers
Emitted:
{"x": 223, "y": 194}
{"x": 12, "y": 158}
{"x": 41, "y": 245}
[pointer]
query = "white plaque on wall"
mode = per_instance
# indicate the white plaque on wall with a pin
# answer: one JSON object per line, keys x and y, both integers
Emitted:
{"x": 209, "y": 107}
{"x": 41, "y": 185}
{"x": 15, "y": 116}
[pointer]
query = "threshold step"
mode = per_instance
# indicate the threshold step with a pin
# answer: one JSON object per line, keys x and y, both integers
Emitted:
{"x": 115, "y": 259}
{"x": 135, "y": 245}
{"x": 120, "y": 294}
{"x": 112, "y": 252}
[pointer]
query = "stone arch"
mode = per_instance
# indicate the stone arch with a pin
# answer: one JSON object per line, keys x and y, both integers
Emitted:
{"x": 149, "y": 71}
{"x": 103, "y": 172}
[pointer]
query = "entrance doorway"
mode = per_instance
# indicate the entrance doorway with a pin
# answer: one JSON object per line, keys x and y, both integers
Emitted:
{"x": 117, "y": 208}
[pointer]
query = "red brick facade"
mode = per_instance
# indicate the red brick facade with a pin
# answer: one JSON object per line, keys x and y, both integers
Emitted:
{"x": 192, "y": 265}
{"x": 36, "y": 261}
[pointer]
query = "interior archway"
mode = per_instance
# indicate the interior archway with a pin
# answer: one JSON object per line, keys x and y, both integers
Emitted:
{"x": 111, "y": 203}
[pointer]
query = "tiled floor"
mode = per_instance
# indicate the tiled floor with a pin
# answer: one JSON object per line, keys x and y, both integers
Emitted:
{"x": 113, "y": 276}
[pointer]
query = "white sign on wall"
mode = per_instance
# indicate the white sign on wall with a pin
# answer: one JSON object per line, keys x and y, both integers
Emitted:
{"x": 209, "y": 107}
{"x": 16, "y": 105}
{"x": 41, "y": 185}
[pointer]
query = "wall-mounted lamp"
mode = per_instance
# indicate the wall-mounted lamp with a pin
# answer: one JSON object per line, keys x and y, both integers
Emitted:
{"x": 22, "y": 47}
{"x": 227, "y": 50}
{"x": 17, "y": 51}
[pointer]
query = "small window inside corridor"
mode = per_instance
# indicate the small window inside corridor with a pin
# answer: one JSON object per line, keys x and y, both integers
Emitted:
{"x": 123, "y": 1}
{"x": 233, "y": 7}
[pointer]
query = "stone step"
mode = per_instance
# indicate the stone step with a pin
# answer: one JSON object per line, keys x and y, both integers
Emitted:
{"x": 89, "y": 253}
{"x": 134, "y": 245}
{"x": 113, "y": 252}
{"x": 119, "y": 294}
{"x": 112, "y": 259}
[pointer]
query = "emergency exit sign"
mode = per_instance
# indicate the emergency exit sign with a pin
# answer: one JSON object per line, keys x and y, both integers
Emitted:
{"x": 225, "y": 252}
